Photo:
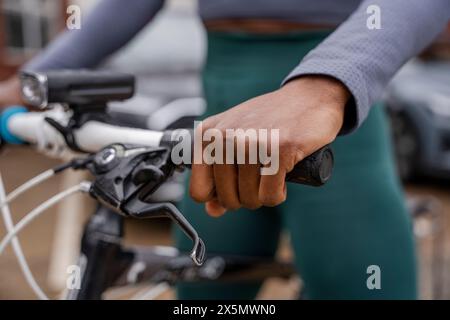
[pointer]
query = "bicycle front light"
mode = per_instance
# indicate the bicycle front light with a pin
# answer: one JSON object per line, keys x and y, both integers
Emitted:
{"x": 76, "y": 88}
{"x": 34, "y": 89}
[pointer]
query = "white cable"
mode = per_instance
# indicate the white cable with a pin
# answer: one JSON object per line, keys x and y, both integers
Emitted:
{"x": 16, "y": 246}
{"x": 26, "y": 186}
{"x": 83, "y": 187}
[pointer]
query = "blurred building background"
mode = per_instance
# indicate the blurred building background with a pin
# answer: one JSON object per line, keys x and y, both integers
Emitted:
{"x": 166, "y": 57}
{"x": 25, "y": 28}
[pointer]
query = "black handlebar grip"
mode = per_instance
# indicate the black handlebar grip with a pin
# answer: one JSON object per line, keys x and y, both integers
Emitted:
{"x": 314, "y": 170}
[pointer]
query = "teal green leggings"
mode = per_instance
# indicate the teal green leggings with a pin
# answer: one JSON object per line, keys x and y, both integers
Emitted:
{"x": 337, "y": 231}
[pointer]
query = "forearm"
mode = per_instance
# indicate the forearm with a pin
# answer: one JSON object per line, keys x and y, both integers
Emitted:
{"x": 365, "y": 60}
{"x": 107, "y": 28}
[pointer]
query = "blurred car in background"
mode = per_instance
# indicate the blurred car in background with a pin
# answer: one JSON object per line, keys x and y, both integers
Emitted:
{"x": 418, "y": 102}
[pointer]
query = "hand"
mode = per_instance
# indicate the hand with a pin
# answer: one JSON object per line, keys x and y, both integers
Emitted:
{"x": 10, "y": 93}
{"x": 308, "y": 112}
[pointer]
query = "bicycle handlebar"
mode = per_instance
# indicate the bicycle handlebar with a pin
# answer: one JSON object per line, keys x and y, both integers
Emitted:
{"x": 17, "y": 126}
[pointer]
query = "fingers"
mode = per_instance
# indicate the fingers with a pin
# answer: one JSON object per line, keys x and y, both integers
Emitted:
{"x": 249, "y": 177}
{"x": 214, "y": 208}
{"x": 226, "y": 184}
{"x": 216, "y": 184}
{"x": 201, "y": 186}
{"x": 228, "y": 196}
{"x": 272, "y": 189}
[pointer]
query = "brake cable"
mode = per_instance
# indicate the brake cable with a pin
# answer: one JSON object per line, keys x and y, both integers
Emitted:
{"x": 9, "y": 225}
{"x": 75, "y": 164}
{"x": 82, "y": 187}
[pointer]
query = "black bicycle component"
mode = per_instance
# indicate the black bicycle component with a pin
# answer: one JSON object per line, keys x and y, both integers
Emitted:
{"x": 124, "y": 172}
{"x": 66, "y": 132}
{"x": 76, "y": 88}
{"x": 124, "y": 178}
{"x": 314, "y": 170}
{"x": 102, "y": 259}
{"x": 142, "y": 210}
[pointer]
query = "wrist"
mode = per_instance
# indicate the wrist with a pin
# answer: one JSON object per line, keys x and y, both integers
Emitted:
{"x": 326, "y": 88}
{"x": 327, "y": 92}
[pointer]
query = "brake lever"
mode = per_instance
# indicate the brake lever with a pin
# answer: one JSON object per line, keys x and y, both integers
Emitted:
{"x": 126, "y": 175}
{"x": 143, "y": 210}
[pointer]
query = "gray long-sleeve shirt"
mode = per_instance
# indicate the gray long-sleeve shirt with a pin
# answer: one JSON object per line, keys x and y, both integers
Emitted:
{"x": 362, "y": 58}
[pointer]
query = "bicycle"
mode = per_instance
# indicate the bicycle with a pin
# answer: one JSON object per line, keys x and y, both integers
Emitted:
{"x": 128, "y": 165}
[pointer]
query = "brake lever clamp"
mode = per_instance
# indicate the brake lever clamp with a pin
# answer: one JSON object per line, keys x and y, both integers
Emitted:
{"x": 123, "y": 172}
{"x": 126, "y": 175}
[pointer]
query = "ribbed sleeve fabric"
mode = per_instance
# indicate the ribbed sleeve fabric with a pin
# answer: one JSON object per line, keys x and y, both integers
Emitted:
{"x": 366, "y": 59}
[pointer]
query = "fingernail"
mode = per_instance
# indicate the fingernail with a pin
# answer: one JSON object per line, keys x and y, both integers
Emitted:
{"x": 214, "y": 209}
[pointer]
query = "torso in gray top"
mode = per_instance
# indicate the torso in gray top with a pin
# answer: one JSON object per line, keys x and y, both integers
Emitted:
{"x": 331, "y": 12}
{"x": 362, "y": 58}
